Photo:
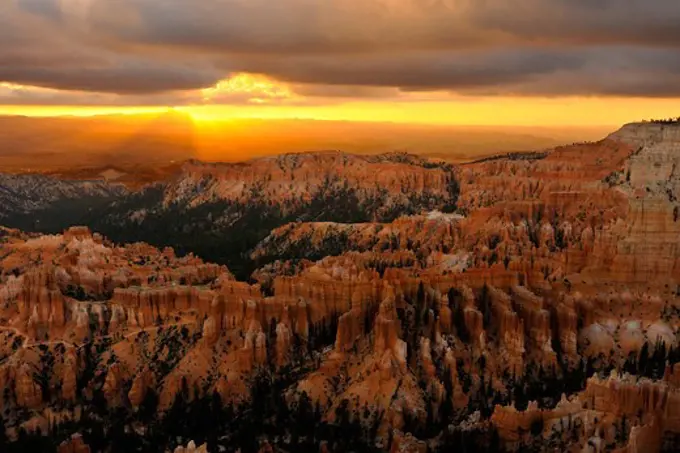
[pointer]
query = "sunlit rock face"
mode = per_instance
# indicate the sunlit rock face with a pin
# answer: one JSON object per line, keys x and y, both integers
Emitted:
{"x": 543, "y": 314}
{"x": 287, "y": 178}
{"x": 192, "y": 448}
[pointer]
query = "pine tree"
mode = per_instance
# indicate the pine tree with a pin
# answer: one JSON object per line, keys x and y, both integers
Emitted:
{"x": 643, "y": 361}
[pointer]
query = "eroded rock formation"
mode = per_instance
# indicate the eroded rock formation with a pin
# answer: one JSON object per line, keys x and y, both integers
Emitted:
{"x": 543, "y": 314}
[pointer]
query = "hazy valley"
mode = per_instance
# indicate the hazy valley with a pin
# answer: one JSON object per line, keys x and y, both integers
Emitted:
{"x": 124, "y": 143}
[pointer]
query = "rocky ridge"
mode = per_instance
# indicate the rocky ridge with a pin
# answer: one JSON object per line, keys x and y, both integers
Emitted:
{"x": 26, "y": 194}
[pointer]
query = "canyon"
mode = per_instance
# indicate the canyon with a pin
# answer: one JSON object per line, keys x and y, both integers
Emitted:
{"x": 336, "y": 302}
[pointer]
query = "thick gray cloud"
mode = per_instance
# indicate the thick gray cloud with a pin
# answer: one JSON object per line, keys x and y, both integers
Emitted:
{"x": 346, "y": 48}
{"x": 41, "y": 47}
{"x": 121, "y": 75}
{"x": 19, "y": 95}
{"x": 604, "y": 70}
{"x": 337, "y": 26}
{"x": 417, "y": 70}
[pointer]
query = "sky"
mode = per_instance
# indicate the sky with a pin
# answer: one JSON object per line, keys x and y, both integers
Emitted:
{"x": 467, "y": 62}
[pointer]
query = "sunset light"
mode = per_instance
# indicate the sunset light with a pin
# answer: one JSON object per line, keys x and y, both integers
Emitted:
{"x": 249, "y": 88}
{"x": 339, "y": 226}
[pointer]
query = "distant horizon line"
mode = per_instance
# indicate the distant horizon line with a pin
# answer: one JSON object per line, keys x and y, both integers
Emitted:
{"x": 85, "y": 115}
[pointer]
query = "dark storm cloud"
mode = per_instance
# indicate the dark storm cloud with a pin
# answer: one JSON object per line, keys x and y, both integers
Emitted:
{"x": 611, "y": 71}
{"x": 15, "y": 95}
{"x": 330, "y": 26}
{"x": 121, "y": 75}
{"x": 310, "y": 27}
{"x": 346, "y": 48}
{"x": 584, "y": 22}
{"x": 418, "y": 71}
{"x": 39, "y": 46}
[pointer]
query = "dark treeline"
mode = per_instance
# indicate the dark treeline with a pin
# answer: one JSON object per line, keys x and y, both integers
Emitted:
{"x": 667, "y": 121}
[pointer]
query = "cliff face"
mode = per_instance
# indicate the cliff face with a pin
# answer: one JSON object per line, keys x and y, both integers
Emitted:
{"x": 648, "y": 134}
{"x": 423, "y": 330}
{"x": 298, "y": 178}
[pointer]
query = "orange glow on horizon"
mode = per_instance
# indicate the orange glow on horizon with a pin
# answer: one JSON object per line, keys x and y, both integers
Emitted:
{"x": 459, "y": 111}
{"x": 254, "y": 96}
{"x": 503, "y": 111}
{"x": 75, "y": 110}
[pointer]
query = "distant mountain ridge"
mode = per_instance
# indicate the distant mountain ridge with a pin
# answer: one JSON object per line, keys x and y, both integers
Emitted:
{"x": 28, "y": 194}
